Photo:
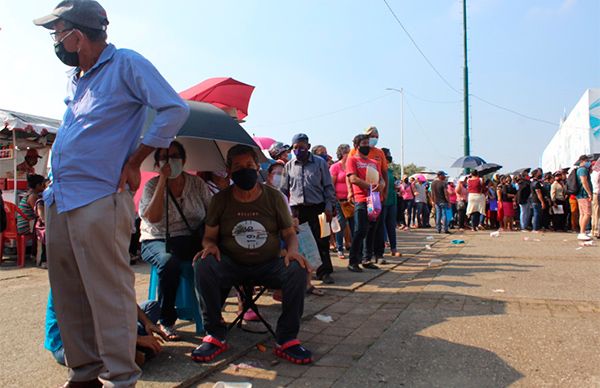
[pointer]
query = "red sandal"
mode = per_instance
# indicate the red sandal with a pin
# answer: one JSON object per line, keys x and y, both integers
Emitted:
{"x": 210, "y": 348}
{"x": 292, "y": 351}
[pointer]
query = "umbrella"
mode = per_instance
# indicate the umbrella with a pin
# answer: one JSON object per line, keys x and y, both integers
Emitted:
{"x": 468, "y": 162}
{"x": 521, "y": 171}
{"x": 225, "y": 93}
{"x": 487, "y": 168}
{"x": 264, "y": 142}
{"x": 207, "y": 136}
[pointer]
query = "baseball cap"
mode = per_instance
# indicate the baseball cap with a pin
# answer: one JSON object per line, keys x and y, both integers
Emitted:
{"x": 441, "y": 173}
{"x": 85, "y": 13}
{"x": 299, "y": 137}
{"x": 32, "y": 153}
{"x": 277, "y": 149}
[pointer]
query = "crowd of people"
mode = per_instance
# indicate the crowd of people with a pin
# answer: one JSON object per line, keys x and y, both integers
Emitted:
{"x": 233, "y": 227}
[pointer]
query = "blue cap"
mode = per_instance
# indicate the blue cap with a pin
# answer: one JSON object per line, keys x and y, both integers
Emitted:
{"x": 299, "y": 137}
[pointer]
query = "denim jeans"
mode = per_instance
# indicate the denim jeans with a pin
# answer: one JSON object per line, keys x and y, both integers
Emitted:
{"x": 419, "y": 214}
{"x": 339, "y": 237}
{"x": 389, "y": 222}
{"x": 537, "y": 215}
{"x": 409, "y": 205}
{"x": 525, "y": 215}
{"x": 168, "y": 267}
{"x": 361, "y": 226}
{"x": 441, "y": 216}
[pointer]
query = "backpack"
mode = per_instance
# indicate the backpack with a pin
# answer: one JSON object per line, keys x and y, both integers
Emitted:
{"x": 572, "y": 183}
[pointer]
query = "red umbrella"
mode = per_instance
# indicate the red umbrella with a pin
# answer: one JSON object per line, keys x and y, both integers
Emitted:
{"x": 224, "y": 93}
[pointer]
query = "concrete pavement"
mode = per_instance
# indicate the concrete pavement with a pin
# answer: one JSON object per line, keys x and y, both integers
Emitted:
{"x": 498, "y": 311}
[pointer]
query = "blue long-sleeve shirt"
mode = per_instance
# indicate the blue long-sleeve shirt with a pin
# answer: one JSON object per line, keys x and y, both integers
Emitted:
{"x": 106, "y": 111}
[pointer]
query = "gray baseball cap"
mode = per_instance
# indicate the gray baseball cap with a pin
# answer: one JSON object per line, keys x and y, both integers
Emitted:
{"x": 85, "y": 13}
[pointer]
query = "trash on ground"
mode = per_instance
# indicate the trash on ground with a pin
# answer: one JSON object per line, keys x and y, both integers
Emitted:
{"x": 456, "y": 242}
{"x": 229, "y": 384}
{"x": 427, "y": 246}
{"x": 578, "y": 248}
{"x": 261, "y": 348}
{"x": 525, "y": 238}
{"x": 587, "y": 243}
{"x": 244, "y": 365}
{"x": 499, "y": 290}
{"x": 274, "y": 362}
{"x": 537, "y": 240}
{"x": 429, "y": 238}
{"x": 434, "y": 262}
{"x": 324, "y": 318}
{"x": 495, "y": 234}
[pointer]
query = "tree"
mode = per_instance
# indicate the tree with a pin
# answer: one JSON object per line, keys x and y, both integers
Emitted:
{"x": 409, "y": 169}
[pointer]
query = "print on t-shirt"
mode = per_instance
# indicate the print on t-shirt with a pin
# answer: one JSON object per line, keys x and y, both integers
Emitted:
{"x": 250, "y": 234}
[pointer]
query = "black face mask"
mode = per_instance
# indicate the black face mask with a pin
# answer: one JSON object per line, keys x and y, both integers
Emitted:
{"x": 245, "y": 178}
{"x": 389, "y": 159}
{"x": 364, "y": 150}
{"x": 69, "y": 59}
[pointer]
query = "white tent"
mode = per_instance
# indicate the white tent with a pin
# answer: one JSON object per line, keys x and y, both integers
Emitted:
{"x": 18, "y": 133}
{"x": 579, "y": 134}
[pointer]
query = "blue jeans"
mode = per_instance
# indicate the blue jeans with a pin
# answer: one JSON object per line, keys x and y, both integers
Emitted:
{"x": 525, "y": 215}
{"x": 339, "y": 237}
{"x": 389, "y": 222}
{"x": 409, "y": 205}
{"x": 168, "y": 269}
{"x": 419, "y": 214}
{"x": 441, "y": 216}
{"x": 361, "y": 226}
{"x": 537, "y": 215}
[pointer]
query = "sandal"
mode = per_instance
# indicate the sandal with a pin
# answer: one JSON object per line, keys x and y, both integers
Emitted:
{"x": 293, "y": 352}
{"x": 170, "y": 332}
{"x": 210, "y": 348}
{"x": 312, "y": 290}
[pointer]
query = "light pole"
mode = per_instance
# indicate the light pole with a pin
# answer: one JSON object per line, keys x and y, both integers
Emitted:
{"x": 401, "y": 91}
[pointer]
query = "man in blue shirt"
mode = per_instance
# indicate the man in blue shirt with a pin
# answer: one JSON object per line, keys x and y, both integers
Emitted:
{"x": 95, "y": 164}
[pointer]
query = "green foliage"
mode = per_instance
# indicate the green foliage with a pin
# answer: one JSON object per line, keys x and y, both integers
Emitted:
{"x": 409, "y": 169}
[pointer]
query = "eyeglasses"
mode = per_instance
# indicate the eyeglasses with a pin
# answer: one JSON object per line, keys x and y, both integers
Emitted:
{"x": 54, "y": 35}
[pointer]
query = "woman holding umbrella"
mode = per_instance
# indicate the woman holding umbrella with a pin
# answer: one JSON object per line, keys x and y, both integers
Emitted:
{"x": 172, "y": 209}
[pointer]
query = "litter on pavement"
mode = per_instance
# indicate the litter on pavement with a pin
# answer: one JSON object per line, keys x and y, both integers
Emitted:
{"x": 324, "y": 318}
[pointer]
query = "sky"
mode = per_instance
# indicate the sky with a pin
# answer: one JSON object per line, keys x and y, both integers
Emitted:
{"x": 322, "y": 67}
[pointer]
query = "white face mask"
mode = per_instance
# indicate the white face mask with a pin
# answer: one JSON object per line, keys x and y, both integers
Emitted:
{"x": 277, "y": 180}
{"x": 176, "y": 167}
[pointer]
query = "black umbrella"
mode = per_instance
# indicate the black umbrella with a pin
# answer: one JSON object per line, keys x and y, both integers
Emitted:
{"x": 521, "y": 171}
{"x": 207, "y": 135}
{"x": 468, "y": 162}
{"x": 487, "y": 168}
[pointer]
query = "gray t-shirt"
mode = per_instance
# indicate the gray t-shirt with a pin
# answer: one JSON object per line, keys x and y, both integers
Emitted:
{"x": 421, "y": 195}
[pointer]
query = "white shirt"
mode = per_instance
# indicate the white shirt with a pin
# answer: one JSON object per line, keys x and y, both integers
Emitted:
{"x": 595, "y": 178}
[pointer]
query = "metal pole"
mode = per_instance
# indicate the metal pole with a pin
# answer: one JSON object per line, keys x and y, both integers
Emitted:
{"x": 467, "y": 145}
{"x": 14, "y": 154}
{"x": 402, "y": 133}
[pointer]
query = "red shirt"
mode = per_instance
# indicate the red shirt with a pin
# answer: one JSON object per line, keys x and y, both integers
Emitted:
{"x": 475, "y": 185}
{"x": 358, "y": 166}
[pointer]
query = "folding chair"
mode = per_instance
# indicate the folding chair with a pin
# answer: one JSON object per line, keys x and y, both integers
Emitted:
{"x": 248, "y": 298}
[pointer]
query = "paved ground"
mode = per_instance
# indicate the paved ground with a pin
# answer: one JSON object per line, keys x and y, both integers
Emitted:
{"x": 520, "y": 310}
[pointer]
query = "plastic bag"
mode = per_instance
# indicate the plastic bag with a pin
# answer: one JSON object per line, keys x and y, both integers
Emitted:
{"x": 373, "y": 205}
{"x": 335, "y": 225}
{"x": 307, "y": 246}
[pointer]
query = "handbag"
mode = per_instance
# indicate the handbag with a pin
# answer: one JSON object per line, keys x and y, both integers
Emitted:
{"x": 347, "y": 209}
{"x": 196, "y": 234}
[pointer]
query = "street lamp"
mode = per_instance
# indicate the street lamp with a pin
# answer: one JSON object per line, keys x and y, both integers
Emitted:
{"x": 401, "y": 91}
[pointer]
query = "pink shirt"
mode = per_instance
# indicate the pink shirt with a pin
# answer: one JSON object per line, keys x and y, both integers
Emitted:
{"x": 337, "y": 171}
{"x": 407, "y": 191}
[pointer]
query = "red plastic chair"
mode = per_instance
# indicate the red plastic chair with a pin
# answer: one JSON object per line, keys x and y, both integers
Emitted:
{"x": 10, "y": 233}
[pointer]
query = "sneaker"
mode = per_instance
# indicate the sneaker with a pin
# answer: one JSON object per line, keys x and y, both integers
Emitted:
{"x": 341, "y": 255}
{"x": 354, "y": 268}
{"x": 327, "y": 279}
{"x": 583, "y": 237}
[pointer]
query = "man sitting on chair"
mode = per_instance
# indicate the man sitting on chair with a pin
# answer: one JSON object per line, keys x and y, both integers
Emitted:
{"x": 244, "y": 226}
